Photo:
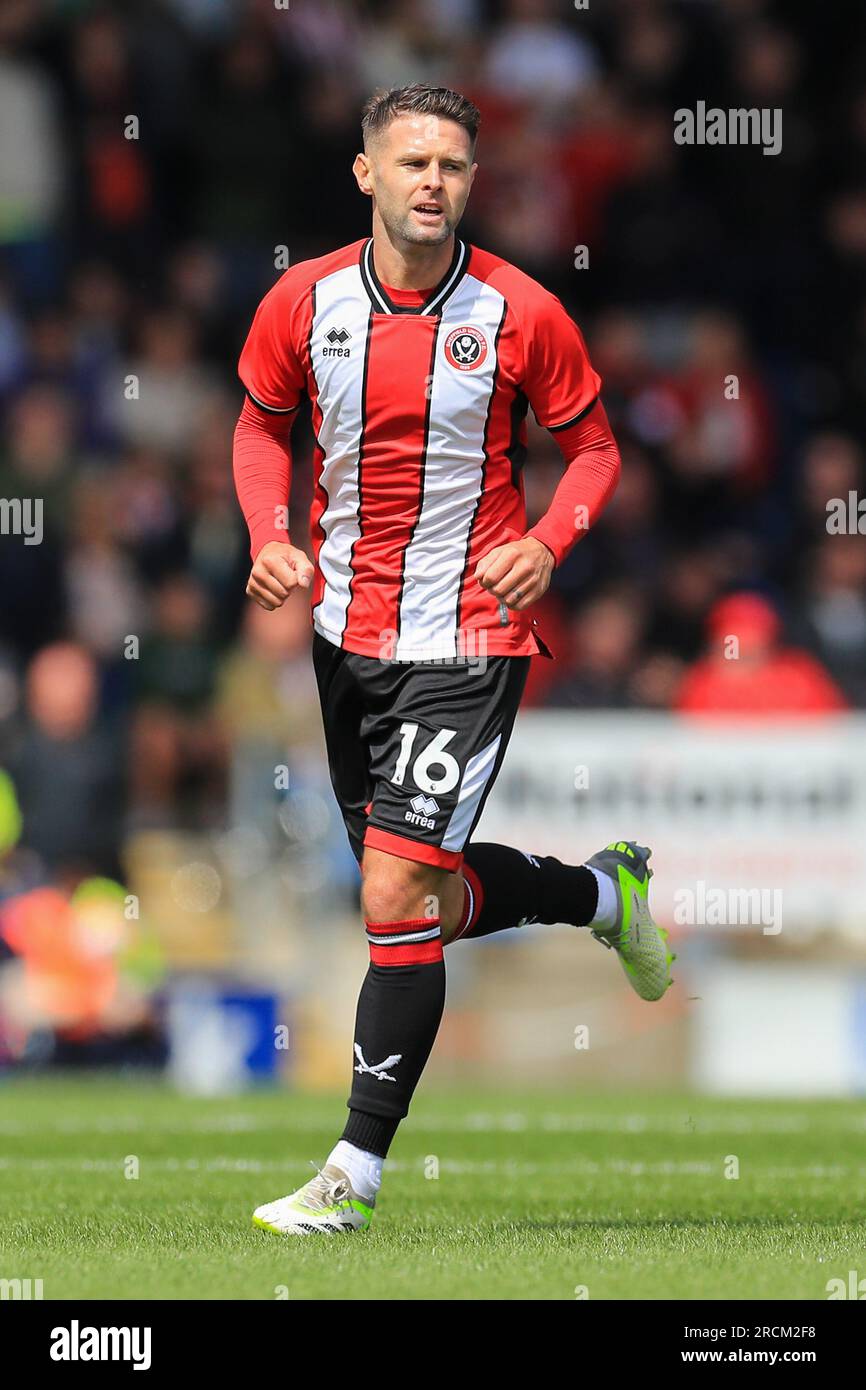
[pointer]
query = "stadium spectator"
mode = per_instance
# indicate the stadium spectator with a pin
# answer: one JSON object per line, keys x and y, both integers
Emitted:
{"x": 747, "y": 672}
{"x": 67, "y": 767}
{"x": 607, "y": 638}
{"x": 178, "y": 755}
{"x": 832, "y": 611}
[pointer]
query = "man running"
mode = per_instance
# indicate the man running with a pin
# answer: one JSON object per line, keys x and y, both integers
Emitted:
{"x": 421, "y": 356}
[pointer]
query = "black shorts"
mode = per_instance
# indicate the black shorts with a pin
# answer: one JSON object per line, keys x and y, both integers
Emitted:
{"x": 414, "y": 747}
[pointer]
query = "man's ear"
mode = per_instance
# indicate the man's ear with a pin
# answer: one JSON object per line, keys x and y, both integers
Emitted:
{"x": 472, "y": 173}
{"x": 361, "y": 170}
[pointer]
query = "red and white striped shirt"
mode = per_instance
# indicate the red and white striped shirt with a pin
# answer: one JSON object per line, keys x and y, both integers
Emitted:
{"x": 419, "y": 413}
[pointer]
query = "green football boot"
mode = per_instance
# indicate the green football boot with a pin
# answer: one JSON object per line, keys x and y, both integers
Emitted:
{"x": 639, "y": 943}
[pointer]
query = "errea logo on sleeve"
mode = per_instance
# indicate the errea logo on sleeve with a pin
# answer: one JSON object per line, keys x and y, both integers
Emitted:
{"x": 338, "y": 338}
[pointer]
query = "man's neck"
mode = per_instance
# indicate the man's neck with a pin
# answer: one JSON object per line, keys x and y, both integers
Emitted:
{"x": 407, "y": 267}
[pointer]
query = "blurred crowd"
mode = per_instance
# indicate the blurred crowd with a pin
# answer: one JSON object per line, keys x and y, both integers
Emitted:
{"x": 156, "y": 155}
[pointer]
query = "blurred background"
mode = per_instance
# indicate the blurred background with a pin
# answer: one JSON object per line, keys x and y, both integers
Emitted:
{"x": 175, "y": 890}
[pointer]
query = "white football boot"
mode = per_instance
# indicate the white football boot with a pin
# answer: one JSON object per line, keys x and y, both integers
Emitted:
{"x": 326, "y": 1205}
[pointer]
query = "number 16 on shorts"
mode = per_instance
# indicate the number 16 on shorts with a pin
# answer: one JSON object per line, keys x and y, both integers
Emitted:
{"x": 432, "y": 758}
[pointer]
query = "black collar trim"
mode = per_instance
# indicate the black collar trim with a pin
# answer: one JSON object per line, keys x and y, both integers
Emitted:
{"x": 382, "y": 302}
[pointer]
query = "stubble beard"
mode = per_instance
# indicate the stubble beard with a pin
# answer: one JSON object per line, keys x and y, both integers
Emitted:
{"x": 409, "y": 231}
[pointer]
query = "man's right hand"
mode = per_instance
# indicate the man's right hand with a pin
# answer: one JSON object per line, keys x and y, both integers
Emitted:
{"x": 278, "y": 569}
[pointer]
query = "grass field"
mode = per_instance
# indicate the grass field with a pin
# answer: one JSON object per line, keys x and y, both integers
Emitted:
{"x": 536, "y": 1195}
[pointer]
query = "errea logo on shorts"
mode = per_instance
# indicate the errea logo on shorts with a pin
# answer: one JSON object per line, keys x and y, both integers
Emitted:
{"x": 423, "y": 810}
{"x": 465, "y": 348}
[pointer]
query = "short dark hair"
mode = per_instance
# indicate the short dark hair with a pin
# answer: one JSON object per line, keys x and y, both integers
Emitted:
{"x": 422, "y": 100}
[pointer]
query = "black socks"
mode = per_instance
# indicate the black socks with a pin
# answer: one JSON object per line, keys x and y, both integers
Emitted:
{"x": 403, "y": 995}
{"x": 399, "y": 1012}
{"x": 516, "y": 888}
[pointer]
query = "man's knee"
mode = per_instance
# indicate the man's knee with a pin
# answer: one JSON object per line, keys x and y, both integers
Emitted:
{"x": 398, "y": 890}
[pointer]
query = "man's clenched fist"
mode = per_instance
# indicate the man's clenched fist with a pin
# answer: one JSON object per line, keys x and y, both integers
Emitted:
{"x": 517, "y": 573}
{"x": 278, "y": 569}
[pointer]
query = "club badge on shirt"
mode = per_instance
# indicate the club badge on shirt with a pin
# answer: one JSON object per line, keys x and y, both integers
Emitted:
{"x": 466, "y": 348}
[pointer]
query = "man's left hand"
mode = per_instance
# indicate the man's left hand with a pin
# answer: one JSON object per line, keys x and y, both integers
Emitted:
{"x": 517, "y": 573}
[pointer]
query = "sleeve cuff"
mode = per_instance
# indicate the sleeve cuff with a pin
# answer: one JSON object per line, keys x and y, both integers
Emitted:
{"x": 542, "y": 533}
{"x": 264, "y": 532}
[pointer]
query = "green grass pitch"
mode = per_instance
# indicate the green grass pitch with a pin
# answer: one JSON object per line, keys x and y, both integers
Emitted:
{"x": 538, "y": 1196}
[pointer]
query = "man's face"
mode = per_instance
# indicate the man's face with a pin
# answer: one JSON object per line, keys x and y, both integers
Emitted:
{"x": 419, "y": 171}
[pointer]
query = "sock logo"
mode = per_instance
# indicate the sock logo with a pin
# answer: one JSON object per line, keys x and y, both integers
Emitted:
{"x": 379, "y": 1069}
